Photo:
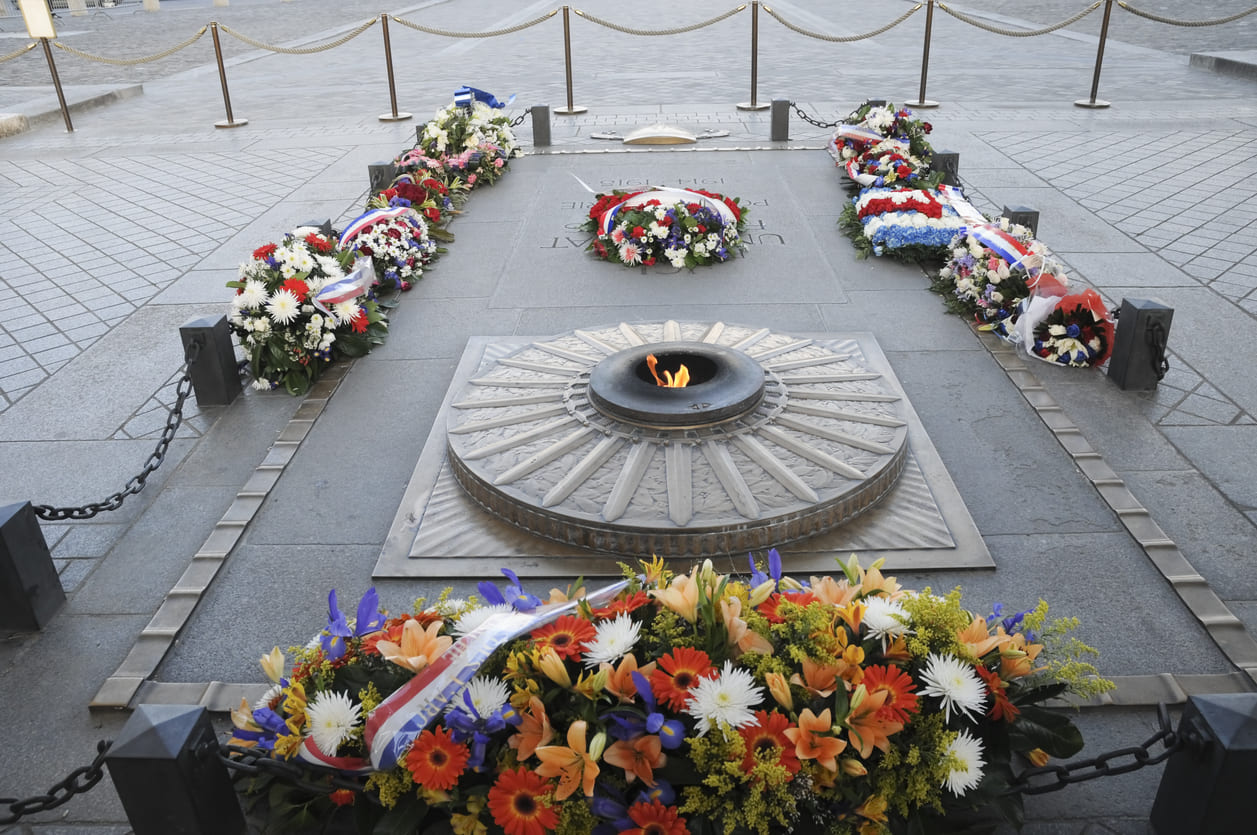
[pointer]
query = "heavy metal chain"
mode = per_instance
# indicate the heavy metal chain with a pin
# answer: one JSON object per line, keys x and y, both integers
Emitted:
{"x": 136, "y": 484}
{"x": 80, "y": 780}
{"x": 252, "y": 761}
{"x": 519, "y": 120}
{"x": 1021, "y": 33}
{"x": 798, "y": 111}
{"x": 1171, "y": 21}
{"x": 1050, "y": 778}
{"x": 1157, "y": 340}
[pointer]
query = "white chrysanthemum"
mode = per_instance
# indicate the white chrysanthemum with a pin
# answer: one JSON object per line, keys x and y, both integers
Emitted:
{"x": 283, "y": 307}
{"x": 470, "y": 620}
{"x": 331, "y": 266}
{"x": 885, "y": 618}
{"x": 269, "y": 697}
{"x": 488, "y": 695}
{"x": 253, "y": 295}
{"x": 948, "y": 678}
{"x": 332, "y": 716}
{"x": 345, "y": 312}
{"x": 612, "y": 639}
{"x": 967, "y": 773}
{"x": 728, "y": 698}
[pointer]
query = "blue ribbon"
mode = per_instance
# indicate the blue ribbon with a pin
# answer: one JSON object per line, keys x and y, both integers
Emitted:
{"x": 464, "y": 96}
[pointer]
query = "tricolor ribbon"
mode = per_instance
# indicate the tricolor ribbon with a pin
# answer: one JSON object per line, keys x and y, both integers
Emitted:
{"x": 860, "y": 135}
{"x": 310, "y": 753}
{"x": 464, "y": 96}
{"x": 367, "y": 219}
{"x": 956, "y": 199}
{"x": 348, "y": 288}
{"x": 393, "y": 726}
{"x": 1002, "y": 243}
{"x": 666, "y": 196}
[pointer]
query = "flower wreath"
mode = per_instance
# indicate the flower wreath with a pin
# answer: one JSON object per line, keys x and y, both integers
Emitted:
{"x": 916, "y": 224}
{"x": 469, "y": 140}
{"x": 1077, "y": 332}
{"x": 683, "y": 702}
{"x": 396, "y": 240}
{"x": 989, "y": 268}
{"x": 681, "y": 227}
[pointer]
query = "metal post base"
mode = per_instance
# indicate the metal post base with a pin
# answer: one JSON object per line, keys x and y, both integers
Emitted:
{"x": 571, "y": 111}
{"x": 1095, "y": 104}
{"x": 30, "y": 591}
{"x": 922, "y": 104}
{"x": 227, "y": 123}
{"x": 394, "y": 117}
{"x": 746, "y": 105}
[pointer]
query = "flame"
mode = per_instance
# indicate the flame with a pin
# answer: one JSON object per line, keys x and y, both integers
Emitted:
{"x": 680, "y": 380}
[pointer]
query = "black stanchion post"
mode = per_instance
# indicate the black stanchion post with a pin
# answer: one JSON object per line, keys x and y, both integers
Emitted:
{"x": 215, "y": 380}
{"x": 949, "y": 163}
{"x": 753, "y": 104}
{"x": 780, "y": 121}
{"x": 392, "y": 116}
{"x": 1023, "y": 216}
{"x": 381, "y": 175}
{"x": 540, "y": 125}
{"x": 30, "y": 591}
{"x": 56, "y": 82}
{"x": 1207, "y": 788}
{"x": 166, "y": 770}
{"x": 230, "y": 121}
{"x": 571, "y": 109}
{"x": 922, "y": 101}
{"x": 1093, "y": 102}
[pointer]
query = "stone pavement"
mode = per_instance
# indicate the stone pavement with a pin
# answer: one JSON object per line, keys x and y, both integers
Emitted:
{"x": 113, "y": 236}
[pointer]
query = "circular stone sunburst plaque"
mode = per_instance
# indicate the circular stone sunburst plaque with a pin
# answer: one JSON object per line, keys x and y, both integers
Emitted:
{"x": 826, "y": 441}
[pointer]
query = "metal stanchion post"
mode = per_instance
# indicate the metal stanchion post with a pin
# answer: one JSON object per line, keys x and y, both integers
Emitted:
{"x": 922, "y": 101}
{"x": 753, "y": 104}
{"x": 393, "y": 116}
{"x": 1093, "y": 102}
{"x": 571, "y": 109}
{"x": 230, "y": 121}
{"x": 56, "y": 82}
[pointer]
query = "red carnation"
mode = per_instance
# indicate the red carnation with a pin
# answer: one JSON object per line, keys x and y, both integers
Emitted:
{"x": 638, "y": 232}
{"x": 432, "y": 214}
{"x": 359, "y": 322}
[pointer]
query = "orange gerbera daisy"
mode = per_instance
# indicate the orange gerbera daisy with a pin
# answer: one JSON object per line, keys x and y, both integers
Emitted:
{"x": 1001, "y": 707}
{"x": 435, "y": 760}
{"x": 566, "y": 635}
{"x": 623, "y": 605}
{"x": 766, "y": 741}
{"x": 520, "y": 803}
{"x": 677, "y": 672}
{"x": 769, "y": 607}
{"x": 654, "y": 818}
{"x": 898, "y": 687}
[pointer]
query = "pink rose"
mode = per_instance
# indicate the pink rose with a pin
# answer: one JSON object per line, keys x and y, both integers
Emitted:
{"x": 498, "y": 163}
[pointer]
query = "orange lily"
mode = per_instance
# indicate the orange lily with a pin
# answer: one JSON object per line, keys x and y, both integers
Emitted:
{"x": 819, "y": 679}
{"x": 813, "y": 741}
{"x": 864, "y": 729}
{"x": 419, "y": 647}
{"x": 620, "y": 678}
{"x": 681, "y": 596}
{"x": 741, "y": 635}
{"x": 534, "y": 730}
{"x": 780, "y": 689}
{"x": 571, "y": 763}
{"x": 834, "y": 592}
{"x": 978, "y": 639}
{"x": 638, "y": 758}
{"x": 1016, "y": 656}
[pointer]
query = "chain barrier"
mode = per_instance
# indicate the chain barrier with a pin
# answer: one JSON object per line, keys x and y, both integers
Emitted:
{"x": 183, "y": 388}
{"x": 1020, "y": 33}
{"x": 80, "y": 780}
{"x": 649, "y": 32}
{"x": 252, "y": 762}
{"x": 131, "y": 62}
{"x": 798, "y": 111}
{"x": 1080, "y": 771}
{"x": 492, "y": 33}
{"x": 519, "y": 120}
{"x": 844, "y": 38}
{"x": 299, "y": 50}
{"x": 1157, "y": 341}
{"x": 1173, "y": 22}
{"x": 18, "y": 53}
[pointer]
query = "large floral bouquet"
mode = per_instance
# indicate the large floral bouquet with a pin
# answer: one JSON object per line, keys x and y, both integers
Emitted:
{"x": 297, "y": 307}
{"x": 396, "y": 239}
{"x": 675, "y": 703}
{"x": 471, "y": 141}
{"x": 872, "y": 124}
{"x": 910, "y": 224}
{"x": 680, "y": 227}
{"x": 436, "y": 200}
{"x": 989, "y": 270}
{"x": 1078, "y": 331}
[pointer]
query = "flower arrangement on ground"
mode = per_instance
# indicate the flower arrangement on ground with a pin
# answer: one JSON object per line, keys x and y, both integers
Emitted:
{"x": 471, "y": 141}
{"x": 396, "y": 240}
{"x": 675, "y": 703}
{"x": 298, "y": 306}
{"x": 989, "y": 269}
{"x": 909, "y": 224}
{"x": 870, "y": 125}
{"x": 433, "y": 198}
{"x": 679, "y": 227}
{"x": 1078, "y": 331}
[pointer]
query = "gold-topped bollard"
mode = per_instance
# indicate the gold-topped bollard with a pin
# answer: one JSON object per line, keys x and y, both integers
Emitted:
{"x": 922, "y": 101}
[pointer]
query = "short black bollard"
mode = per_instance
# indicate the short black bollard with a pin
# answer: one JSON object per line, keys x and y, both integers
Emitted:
{"x": 381, "y": 175}
{"x": 1207, "y": 789}
{"x": 166, "y": 770}
{"x": 779, "y": 121}
{"x": 30, "y": 591}
{"x": 949, "y": 163}
{"x": 1143, "y": 329}
{"x": 1023, "y": 216}
{"x": 215, "y": 378}
{"x": 324, "y": 226}
{"x": 540, "y": 125}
